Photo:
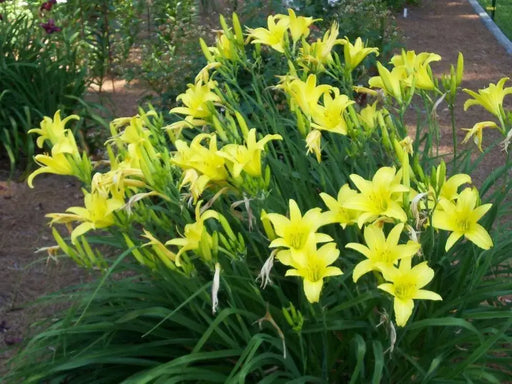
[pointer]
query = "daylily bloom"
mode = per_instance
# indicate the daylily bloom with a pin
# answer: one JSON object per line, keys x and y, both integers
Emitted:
{"x": 97, "y": 213}
{"x": 206, "y": 161}
{"x": 417, "y": 68}
{"x": 378, "y": 197}
{"x": 306, "y": 94}
{"x": 313, "y": 265}
{"x": 224, "y": 48}
{"x": 491, "y": 98}
{"x": 273, "y": 36}
{"x": 299, "y": 26}
{"x": 52, "y": 129}
{"x": 194, "y": 234}
{"x": 381, "y": 252}
{"x": 405, "y": 284}
{"x": 164, "y": 254}
{"x": 116, "y": 181}
{"x": 411, "y": 61}
{"x": 198, "y": 100}
{"x": 47, "y": 5}
{"x": 476, "y": 132}
{"x": 57, "y": 163}
{"x": 50, "y": 27}
{"x": 295, "y": 232}
{"x": 368, "y": 117}
{"x": 337, "y": 212}
{"x": 314, "y": 143}
{"x": 355, "y": 53}
{"x": 449, "y": 189}
{"x": 320, "y": 52}
{"x": 462, "y": 218}
{"x": 390, "y": 82}
{"x": 247, "y": 157}
{"x": 329, "y": 116}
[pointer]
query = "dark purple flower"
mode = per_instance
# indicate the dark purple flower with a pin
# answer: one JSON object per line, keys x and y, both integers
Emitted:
{"x": 50, "y": 27}
{"x": 47, "y": 5}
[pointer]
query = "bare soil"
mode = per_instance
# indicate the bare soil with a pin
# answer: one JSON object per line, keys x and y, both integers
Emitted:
{"x": 441, "y": 26}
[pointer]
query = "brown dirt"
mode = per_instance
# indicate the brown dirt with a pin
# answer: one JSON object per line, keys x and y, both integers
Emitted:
{"x": 440, "y": 26}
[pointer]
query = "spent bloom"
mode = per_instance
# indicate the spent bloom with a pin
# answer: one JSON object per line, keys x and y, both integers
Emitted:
{"x": 405, "y": 284}
{"x": 461, "y": 218}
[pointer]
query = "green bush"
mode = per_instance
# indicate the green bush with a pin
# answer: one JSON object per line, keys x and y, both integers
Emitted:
{"x": 282, "y": 231}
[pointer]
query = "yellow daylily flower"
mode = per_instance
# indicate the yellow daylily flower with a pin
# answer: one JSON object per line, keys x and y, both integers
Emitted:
{"x": 314, "y": 143}
{"x": 417, "y": 68}
{"x": 298, "y": 26}
{"x": 368, "y": 117}
{"x": 491, "y": 98}
{"x": 337, "y": 212}
{"x": 296, "y": 231}
{"x": 306, "y": 94}
{"x": 198, "y": 100}
{"x": 57, "y": 163}
{"x": 320, "y": 52}
{"x": 390, "y": 82}
{"x": 405, "y": 284}
{"x": 355, "y": 53}
{"x": 194, "y": 234}
{"x": 449, "y": 189}
{"x": 206, "y": 161}
{"x": 196, "y": 182}
{"x": 411, "y": 61}
{"x": 116, "y": 181}
{"x": 329, "y": 116}
{"x": 53, "y": 130}
{"x": 461, "y": 218}
{"x": 98, "y": 213}
{"x": 313, "y": 265}
{"x": 274, "y": 36}
{"x": 378, "y": 197}
{"x": 381, "y": 252}
{"x": 164, "y": 254}
{"x": 247, "y": 157}
{"x": 477, "y": 132}
{"x": 224, "y": 48}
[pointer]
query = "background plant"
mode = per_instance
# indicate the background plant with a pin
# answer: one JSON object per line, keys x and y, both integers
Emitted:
{"x": 39, "y": 73}
{"x": 200, "y": 208}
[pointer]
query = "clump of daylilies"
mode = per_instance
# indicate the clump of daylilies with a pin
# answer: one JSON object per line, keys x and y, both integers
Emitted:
{"x": 219, "y": 167}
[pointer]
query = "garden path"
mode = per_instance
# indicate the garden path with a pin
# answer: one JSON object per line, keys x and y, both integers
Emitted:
{"x": 441, "y": 26}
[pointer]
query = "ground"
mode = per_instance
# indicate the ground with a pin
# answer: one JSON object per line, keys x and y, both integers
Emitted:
{"x": 441, "y": 26}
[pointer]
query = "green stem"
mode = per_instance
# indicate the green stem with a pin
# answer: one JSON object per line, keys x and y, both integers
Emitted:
{"x": 454, "y": 135}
